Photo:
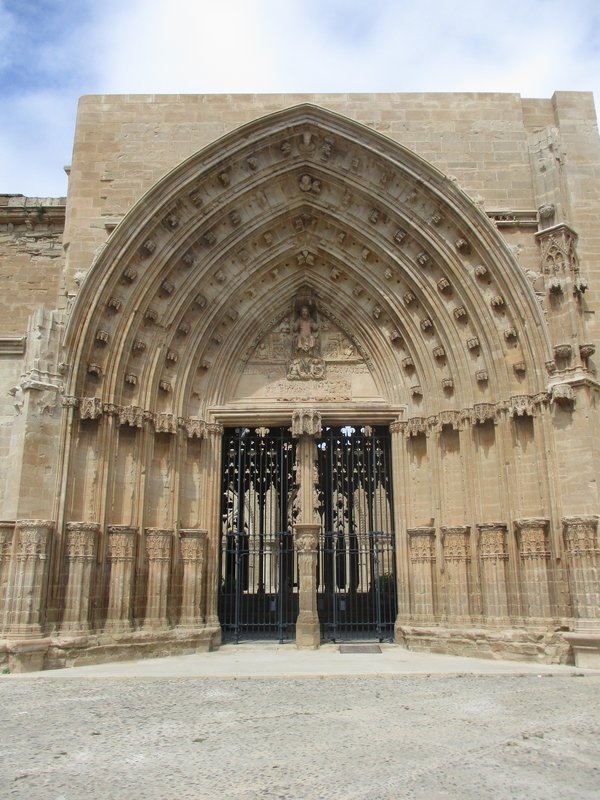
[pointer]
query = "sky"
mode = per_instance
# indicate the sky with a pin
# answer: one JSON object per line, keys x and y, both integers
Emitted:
{"x": 54, "y": 51}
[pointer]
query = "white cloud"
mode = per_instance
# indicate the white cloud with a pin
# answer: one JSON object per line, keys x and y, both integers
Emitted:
{"x": 206, "y": 46}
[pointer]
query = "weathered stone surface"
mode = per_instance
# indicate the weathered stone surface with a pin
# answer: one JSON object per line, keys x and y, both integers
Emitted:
{"x": 381, "y": 265}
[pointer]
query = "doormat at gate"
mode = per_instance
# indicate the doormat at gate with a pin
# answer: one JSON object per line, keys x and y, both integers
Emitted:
{"x": 360, "y": 648}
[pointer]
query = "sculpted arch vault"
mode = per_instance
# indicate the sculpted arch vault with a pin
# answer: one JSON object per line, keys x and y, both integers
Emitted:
{"x": 307, "y": 267}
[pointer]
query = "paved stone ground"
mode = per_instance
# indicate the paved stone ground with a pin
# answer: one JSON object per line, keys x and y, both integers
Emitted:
{"x": 344, "y": 737}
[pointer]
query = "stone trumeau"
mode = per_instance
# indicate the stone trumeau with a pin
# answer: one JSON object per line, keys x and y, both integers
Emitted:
{"x": 306, "y": 367}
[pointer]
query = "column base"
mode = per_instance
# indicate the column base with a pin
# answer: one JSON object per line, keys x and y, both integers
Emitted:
{"x": 27, "y": 655}
{"x": 308, "y": 635}
{"x": 586, "y": 649}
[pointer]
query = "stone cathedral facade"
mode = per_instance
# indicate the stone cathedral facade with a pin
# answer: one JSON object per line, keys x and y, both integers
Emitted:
{"x": 307, "y": 368}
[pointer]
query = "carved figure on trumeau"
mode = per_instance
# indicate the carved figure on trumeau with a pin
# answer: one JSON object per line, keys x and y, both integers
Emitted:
{"x": 306, "y": 363}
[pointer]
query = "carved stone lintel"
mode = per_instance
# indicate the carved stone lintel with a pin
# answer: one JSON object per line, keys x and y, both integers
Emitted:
{"x": 306, "y": 421}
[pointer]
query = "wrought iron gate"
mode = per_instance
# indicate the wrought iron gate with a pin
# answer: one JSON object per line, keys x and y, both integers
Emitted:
{"x": 258, "y": 595}
{"x": 357, "y": 567}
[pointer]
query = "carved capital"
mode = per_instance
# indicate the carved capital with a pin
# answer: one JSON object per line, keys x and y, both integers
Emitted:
{"x": 90, "y": 407}
{"x": 193, "y": 544}
{"x": 493, "y": 541}
{"x": 165, "y": 422}
{"x": 581, "y": 537}
{"x": 121, "y": 543}
{"x": 456, "y": 543}
{"x": 421, "y": 544}
{"x": 307, "y": 538}
{"x": 80, "y": 540}
{"x": 33, "y": 538}
{"x": 533, "y": 538}
{"x": 131, "y": 415}
{"x": 306, "y": 421}
{"x": 158, "y": 544}
{"x": 194, "y": 427}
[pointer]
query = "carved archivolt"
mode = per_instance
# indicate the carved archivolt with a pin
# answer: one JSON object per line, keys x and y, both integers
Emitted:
{"x": 168, "y": 329}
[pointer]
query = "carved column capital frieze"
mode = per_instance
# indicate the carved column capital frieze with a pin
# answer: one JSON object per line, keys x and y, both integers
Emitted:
{"x": 562, "y": 394}
{"x": 417, "y": 425}
{"x": 214, "y": 430}
{"x": 131, "y": 415}
{"x": 398, "y": 427}
{"x": 158, "y": 544}
{"x": 165, "y": 422}
{"x": 455, "y": 541}
{"x": 306, "y": 421}
{"x": 121, "y": 543}
{"x": 194, "y": 427}
{"x": 34, "y": 538}
{"x": 307, "y": 537}
{"x": 80, "y": 540}
{"x": 7, "y": 530}
{"x": 69, "y": 401}
{"x": 482, "y": 412}
{"x": 493, "y": 541}
{"x": 533, "y": 538}
{"x": 581, "y": 535}
{"x": 90, "y": 407}
{"x": 193, "y": 544}
{"x": 421, "y": 544}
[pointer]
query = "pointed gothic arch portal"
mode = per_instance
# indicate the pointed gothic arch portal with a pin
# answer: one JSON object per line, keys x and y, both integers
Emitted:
{"x": 301, "y": 270}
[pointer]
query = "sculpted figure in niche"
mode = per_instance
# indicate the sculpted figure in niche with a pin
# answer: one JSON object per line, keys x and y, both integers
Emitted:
{"x": 306, "y": 363}
{"x": 306, "y": 330}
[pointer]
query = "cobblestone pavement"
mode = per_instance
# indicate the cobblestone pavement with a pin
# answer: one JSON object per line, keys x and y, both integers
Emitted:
{"x": 351, "y": 737}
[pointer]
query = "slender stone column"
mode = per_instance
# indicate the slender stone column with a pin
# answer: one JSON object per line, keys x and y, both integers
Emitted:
{"x": 27, "y": 605}
{"x": 455, "y": 543}
{"x": 7, "y": 530}
{"x": 120, "y": 554}
{"x": 158, "y": 554}
{"x": 306, "y": 425}
{"x": 308, "y": 632}
{"x": 422, "y": 562}
{"x": 80, "y": 542}
{"x": 211, "y": 518}
{"x": 493, "y": 558}
{"x": 583, "y": 553}
{"x": 193, "y": 543}
{"x": 534, "y": 552}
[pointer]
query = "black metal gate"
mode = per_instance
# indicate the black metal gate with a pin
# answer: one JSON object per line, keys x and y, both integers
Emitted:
{"x": 258, "y": 594}
{"x": 356, "y": 578}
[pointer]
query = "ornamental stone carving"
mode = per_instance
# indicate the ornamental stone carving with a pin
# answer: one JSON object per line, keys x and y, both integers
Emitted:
{"x": 455, "y": 541}
{"x": 165, "y": 422}
{"x": 131, "y": 415}
{"x": 158, "y": 544}
{"x": 306, "y": 422}
{"x": 533, "y": 538}
{"x": 493, "y": 541}
{"x": 581, "y": 535}
{"x": 192, "y": 542}
{"x": 33, "y": 538}
{"x": 121, "y": 543}
{"x": 80, "y": 540}
{"x": 421, "y": 544}
{"x": 563, "y": 395}
{"x": 90, "y": 408}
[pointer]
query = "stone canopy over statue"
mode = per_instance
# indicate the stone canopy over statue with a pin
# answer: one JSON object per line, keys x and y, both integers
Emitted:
{"x": 306, "y": 361}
